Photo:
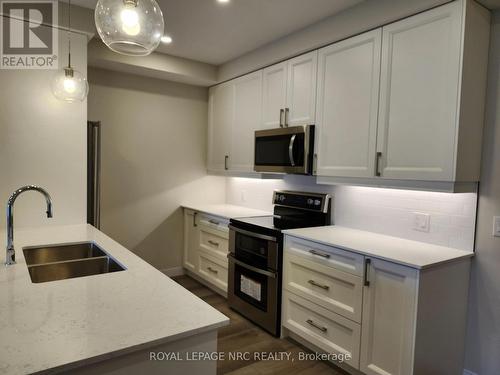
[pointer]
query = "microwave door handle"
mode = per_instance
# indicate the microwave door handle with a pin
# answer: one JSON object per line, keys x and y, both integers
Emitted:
{"x": 290, "y": 149}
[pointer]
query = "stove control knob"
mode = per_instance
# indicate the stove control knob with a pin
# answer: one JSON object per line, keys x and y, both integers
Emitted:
{"x": 281, "y": 198}
{"x": 310, "y": 202}
{"x": 317, "y": 202}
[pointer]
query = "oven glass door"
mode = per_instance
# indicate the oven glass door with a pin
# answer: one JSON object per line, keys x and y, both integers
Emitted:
{"x": 285, "y": 150}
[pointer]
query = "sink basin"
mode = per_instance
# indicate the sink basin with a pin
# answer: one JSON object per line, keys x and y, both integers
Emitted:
{"x": 58, "y": 253}
{"x": 59, "y": 262}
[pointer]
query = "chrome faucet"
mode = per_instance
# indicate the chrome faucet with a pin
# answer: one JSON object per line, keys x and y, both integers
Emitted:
{"x": 11, "y": 255}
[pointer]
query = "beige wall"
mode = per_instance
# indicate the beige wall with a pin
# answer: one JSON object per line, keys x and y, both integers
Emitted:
{"x": 483, "y": 342}
{"x": 43, "y": 141}
{"x": 153, "y": 159}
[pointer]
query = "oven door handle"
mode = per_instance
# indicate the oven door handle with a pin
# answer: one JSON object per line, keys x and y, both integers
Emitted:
{"x": 290, "y": 149}
{"x": 252, "y": 268}
{"x": 252, "y": 234}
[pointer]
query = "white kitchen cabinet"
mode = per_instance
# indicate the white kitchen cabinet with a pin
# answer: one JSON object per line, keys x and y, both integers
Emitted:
{"x": 247, "y": 119}
{"x": 220, "y": 122}
{"x": 432, "y": 92}
{"x": 289, "y": 92}
{"x": 191, "y": 240}
{"x": 347, "y": 106}
{"x": 389, "y": 311}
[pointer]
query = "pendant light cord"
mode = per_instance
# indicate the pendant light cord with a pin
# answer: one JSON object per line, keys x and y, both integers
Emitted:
{"x": 69, "y": 33}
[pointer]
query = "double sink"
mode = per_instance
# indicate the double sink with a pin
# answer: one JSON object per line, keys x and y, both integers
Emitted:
{"x": 59, "y": 262}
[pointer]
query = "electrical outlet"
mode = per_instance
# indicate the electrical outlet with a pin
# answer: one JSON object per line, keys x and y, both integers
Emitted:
{"x": 421, "y": 222}
{"x": 496, "y": 226}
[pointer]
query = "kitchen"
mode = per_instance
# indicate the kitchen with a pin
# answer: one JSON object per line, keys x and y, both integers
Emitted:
{"x": 218, "y": 133}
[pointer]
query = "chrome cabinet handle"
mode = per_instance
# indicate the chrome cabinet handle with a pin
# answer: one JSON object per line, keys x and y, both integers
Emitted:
{"x": 321, "y": 328}
{"x": 368, "y": 261}
{"x": 314, "y": 252}
{"x": 213, "y": 243}
{"x": 194, "y": 219}
{"x": 325, "y": 287}
{"x": 290, "y": 149}
{"x": 377, "y": 164}
{"x": 215, "y": 222}
{"x": 226, "y": 158}
{"x": 282, "y": 112}
{"x": 212, "y": 270}
{"x": 287, "y": 112}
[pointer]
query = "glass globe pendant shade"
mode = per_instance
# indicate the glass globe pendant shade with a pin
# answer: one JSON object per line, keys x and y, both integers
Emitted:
{"x": 129, "y": 27}
{"x": 70, "y": 85}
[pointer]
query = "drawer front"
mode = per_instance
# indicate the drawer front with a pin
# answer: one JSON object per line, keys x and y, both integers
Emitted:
{"x": 335, "y": 290}
{"x": 213, "y": 243}
{"x": 329, "y": 256}
{"x": 326, "y": 330}
{"x": 213, "y": 271}
{"x": 215, "y": 223}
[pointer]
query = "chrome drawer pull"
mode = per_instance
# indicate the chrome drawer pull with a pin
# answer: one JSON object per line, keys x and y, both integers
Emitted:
{"x": 319, "y": 254}
{"x": 212, "y": 270}
{"x": 215, "y": 222}
{"x": 213, "y": 243}
{"x": 325, "y": 287}
{"x": 322, "y": 329}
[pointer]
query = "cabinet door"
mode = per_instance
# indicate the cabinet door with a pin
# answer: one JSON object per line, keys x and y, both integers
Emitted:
{"x": 247, "y": 119}
{"x": 346, "y": 116}
{"x": 418, "y": 95}
{"x": 191, "y": 241}
{"x": 220, "y": 118}
{"x": 273, "y": 95}
{"x": 301, "y": 89}
{"x": 388, "y": 323}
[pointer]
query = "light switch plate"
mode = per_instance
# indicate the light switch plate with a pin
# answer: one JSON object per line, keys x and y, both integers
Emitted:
{"x": 496, "y": 226}
{"x": 421, "y": 222}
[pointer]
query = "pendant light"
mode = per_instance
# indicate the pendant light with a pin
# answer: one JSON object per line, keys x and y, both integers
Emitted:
{"x": 69, "y": 84}
{"x": 130, "y": 27}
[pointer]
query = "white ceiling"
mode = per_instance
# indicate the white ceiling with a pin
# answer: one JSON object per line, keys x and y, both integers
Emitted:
{"x": 207, "y": 31}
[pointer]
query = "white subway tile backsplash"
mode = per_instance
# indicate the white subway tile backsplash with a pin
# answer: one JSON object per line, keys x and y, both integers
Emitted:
{"x": 385, "y": 211}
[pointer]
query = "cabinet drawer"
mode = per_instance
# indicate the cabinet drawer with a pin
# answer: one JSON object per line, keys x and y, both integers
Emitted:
{"x": 326, "y": 255}
{"x": 213, "y": 243}
{"x": 213, "y": 271}
{"x": 335, "y": 290}
{"x": 215, "y": 223}
{"x": 322, "y": 328}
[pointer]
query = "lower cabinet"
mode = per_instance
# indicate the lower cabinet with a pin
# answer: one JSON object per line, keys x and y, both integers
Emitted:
{"x": 391, "y": 319}
{"x": 206, "y": 241}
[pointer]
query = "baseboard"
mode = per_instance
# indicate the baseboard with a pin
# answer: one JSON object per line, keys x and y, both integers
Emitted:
{"x": 174, "y": 271}
{"x": 469, "y": 372}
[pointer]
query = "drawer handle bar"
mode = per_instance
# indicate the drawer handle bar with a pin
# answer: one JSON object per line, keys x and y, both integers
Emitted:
{"x": 215, "y": 222}
{"x": 325, "y": 287}
{"x": 314, "y": 252}
{"x": 213, "y": 243}
{"x": 212, "y": 270}
{"x": 322, "y": 329}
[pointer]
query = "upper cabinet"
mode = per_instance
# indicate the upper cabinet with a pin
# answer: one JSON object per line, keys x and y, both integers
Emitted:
{"x": 220, "y": 120}
{"x": 289, "y": 92}
{"x": 346, "y": 112}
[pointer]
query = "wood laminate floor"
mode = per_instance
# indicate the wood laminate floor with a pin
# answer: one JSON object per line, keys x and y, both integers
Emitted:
{"x": 242, "y": 335}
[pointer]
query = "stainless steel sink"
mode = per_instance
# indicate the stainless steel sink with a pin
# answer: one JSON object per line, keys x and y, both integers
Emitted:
{"x": 59, "y": 262}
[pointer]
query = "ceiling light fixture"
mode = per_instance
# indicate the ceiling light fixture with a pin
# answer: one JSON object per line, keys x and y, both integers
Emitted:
{"x": 129, "y": 27}
{"x": 223, "y": 1}
{"x": 69, "y": 84}
{"x": 166, "y": 39}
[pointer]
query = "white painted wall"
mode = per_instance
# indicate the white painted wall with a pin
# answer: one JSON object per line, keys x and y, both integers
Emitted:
{"x": 386, "y": 211}
{"x": 43, "y": 141}
{"x": 483, "y": 340}
{"x": 153, "y": 159}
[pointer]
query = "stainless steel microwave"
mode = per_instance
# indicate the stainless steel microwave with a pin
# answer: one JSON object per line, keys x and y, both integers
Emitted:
{"x": 285, "y": 150}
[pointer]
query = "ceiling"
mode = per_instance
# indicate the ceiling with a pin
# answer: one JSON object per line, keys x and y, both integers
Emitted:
{"x": 207, "y": 31}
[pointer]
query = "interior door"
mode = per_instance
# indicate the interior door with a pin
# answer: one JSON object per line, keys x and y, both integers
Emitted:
{"x": 388, "y": 322}
{"x": 247, "y": 119}
{"x": 220, "y": 119}
{"x": 347, "y": 106}
{"x": 274, "y": 95}
{"x": 301, "y": 89}
{"x": 418, "y": 95}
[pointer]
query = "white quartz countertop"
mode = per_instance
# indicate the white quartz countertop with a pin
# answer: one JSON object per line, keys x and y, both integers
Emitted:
{"x": 227, "y": 211}
{"x": 406, "y": 252}
{"x": 61, "y": 324}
